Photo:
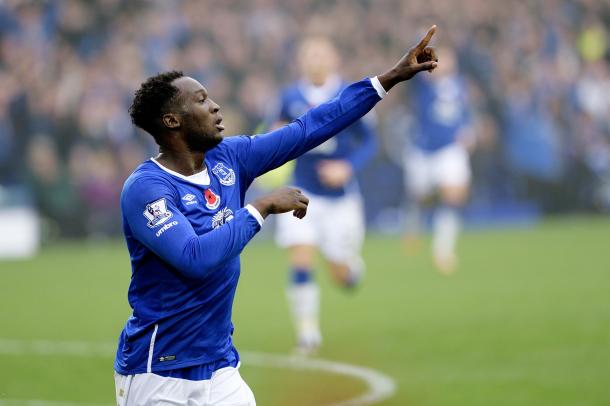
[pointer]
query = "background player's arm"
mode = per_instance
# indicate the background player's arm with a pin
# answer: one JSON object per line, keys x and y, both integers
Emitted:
{"x": 282, "y": 116}
{"x": 467, "y": 135}
{"x": 368, "y": 144}
{"x": 335, "y": 173}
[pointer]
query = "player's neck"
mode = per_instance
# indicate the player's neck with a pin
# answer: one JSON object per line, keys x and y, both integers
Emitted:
{"x": 184, "y": 162}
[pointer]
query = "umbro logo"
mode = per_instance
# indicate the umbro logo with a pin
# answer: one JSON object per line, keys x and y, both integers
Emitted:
{"x": 189, "y": 199}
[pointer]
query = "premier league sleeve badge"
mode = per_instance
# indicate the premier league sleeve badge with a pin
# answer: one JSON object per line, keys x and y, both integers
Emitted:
{"x": 157, "y": 213}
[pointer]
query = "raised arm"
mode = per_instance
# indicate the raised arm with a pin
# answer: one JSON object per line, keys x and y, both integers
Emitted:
{"x": 269, "y": 151}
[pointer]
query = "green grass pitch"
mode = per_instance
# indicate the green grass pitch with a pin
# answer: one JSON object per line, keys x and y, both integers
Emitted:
{"x": 525, "y": 321}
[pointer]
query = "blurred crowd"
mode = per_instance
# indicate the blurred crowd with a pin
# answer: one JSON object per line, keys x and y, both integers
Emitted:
{"x": 538, "y": 72}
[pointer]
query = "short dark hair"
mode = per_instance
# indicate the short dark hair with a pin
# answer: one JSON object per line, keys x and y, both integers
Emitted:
{"x": 152, "y": 100}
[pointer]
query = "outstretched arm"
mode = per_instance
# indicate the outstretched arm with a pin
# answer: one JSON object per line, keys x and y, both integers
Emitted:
{"x": 269, "y": 151}
{"x": 262, "y": 153}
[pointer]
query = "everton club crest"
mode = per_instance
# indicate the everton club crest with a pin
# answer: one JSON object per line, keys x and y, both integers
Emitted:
{"x": 212, "y": 200}
{"x": 225, "y": 175}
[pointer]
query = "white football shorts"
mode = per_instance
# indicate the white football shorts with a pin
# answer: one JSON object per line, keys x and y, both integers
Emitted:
{"x": 225, "y": 388}
{"x": 334, "y": 225}
{"x": 426, "y": 171}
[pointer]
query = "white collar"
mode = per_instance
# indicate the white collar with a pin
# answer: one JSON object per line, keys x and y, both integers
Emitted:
{"x": 201, "y": 178}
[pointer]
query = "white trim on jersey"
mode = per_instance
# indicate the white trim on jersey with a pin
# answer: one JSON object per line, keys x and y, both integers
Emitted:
{"x": 151, "y": 349}
{"x": 377, "y": 85}
{"x": 202, "y": 178}
{"x": 256, "y": 214}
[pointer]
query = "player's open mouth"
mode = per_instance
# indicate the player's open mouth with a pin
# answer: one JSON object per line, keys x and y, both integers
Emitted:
{"x": 219, "y": 126}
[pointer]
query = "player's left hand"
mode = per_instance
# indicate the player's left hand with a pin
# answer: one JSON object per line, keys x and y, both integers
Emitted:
{"x": 334, "y": 173}
{"x": 419, "y": 58}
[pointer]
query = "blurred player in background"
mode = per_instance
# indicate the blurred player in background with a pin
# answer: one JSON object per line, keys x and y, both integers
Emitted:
{"x": 335, "y": 221}
{"x": 437, "y": 162}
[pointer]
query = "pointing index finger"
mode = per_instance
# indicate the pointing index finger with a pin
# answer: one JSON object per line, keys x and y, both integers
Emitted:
{"x": 424, "y": 42}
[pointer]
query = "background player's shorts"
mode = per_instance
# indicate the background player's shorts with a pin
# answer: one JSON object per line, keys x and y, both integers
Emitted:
{"x": 225, "y": 388}
{"x": 334, "y": 225}
{"x": 426, "y": 171}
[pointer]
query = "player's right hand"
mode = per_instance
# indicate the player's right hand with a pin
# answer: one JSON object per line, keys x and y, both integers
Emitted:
{"x": 282, "y": 200}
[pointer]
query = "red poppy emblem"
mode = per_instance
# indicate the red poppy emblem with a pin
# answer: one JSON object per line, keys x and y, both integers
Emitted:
{"x": 212, "y": 200}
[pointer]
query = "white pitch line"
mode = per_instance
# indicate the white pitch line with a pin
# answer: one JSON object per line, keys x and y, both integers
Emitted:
{"x": 37, "y": 402}
{"x": 47, "y": 347}
{"x": 380, "y": 386}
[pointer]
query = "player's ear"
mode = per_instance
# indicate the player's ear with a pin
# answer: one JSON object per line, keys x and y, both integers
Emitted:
{"x": 171, "y": 121}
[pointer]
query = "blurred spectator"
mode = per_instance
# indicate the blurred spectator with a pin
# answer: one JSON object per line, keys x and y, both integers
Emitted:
{"x": 539, "y": 71}
{"x": 53, "y": 190}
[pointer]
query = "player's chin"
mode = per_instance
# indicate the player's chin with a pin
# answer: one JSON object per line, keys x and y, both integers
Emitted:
{"x": 215, "y": 135}
{"x": 204, "y": 143}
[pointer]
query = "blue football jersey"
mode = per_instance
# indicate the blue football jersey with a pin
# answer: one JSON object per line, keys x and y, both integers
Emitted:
{"x": 440, "y": 110}
{"x": 355, "y": 144}
{"x": 185, "y": 234}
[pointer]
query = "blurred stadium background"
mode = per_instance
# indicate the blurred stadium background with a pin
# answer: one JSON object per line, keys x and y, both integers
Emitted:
{"x": 526, "y": 319}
